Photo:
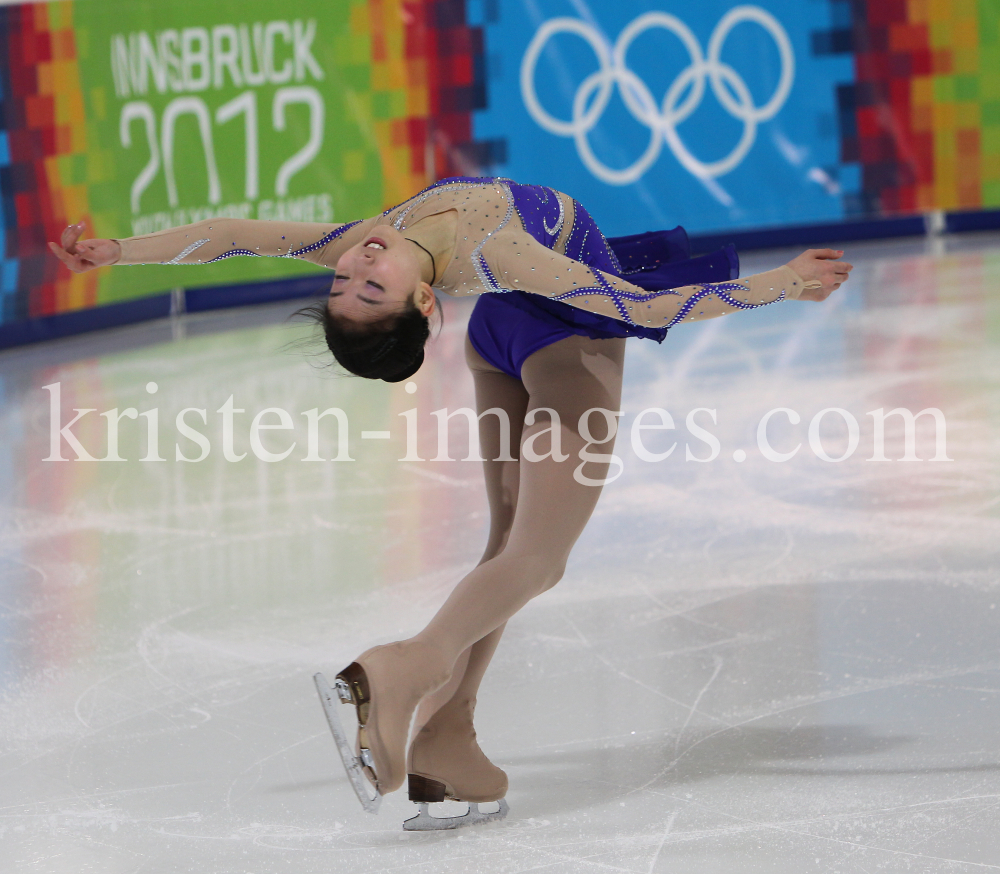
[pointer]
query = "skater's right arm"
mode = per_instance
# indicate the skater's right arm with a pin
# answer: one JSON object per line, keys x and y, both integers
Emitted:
{"x": 207, "y": 241}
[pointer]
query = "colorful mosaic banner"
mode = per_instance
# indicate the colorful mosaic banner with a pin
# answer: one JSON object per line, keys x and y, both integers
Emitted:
{"x": 138, "y": 116}
{"x": 721, "y": 116}
{"x": 922, "y": 117}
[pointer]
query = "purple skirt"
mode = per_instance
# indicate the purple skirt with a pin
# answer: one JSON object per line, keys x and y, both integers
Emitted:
{"x": 506, "y": 327}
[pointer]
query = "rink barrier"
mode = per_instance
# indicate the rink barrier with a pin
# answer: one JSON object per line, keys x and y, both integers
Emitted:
{"x": 115, "y": 315}
{"x": 813, "y": 235}
{"x": 216, "y": 297}
{"x": 961, "y": 222}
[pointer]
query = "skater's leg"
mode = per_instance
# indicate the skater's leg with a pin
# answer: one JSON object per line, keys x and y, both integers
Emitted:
{"x": 494, "y": 389}
{"x": 553, "y": 506}
{"x": 444, "y": 749}
{"x": 445, "y": 760}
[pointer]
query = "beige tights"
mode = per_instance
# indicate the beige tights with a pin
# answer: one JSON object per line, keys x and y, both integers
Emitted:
{"x": 537, "y": 512}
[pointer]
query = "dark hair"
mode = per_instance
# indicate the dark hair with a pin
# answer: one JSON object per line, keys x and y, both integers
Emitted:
{"x": 391, "y": 349}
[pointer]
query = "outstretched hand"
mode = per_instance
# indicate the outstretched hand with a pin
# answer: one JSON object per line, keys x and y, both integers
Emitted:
{"x": 83, "y": 255}
{"x": 821, "y": 266}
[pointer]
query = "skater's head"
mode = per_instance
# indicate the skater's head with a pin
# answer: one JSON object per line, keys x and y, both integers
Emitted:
{"x": 392, "y": 350}
{"x": 376, "y": 319}
{"x": 379, "y": 279}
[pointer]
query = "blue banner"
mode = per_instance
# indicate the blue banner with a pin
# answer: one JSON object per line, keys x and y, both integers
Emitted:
{"x": 711, "y": 115}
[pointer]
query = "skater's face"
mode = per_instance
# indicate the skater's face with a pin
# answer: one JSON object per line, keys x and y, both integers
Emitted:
{"x": 376, "y": 278}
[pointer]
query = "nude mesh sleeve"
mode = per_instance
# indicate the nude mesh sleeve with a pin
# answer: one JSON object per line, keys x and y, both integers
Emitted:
{"x": 214, "y": 240}
{"x": 525, "y": 264}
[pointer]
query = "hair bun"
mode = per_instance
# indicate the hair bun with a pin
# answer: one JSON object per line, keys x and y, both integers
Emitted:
{"x": 407, "y": 371}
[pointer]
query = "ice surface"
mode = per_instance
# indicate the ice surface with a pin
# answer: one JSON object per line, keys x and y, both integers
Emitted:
{"x": 757, "y": 666}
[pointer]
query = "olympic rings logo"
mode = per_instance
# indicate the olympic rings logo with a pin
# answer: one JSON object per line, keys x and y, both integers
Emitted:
{"x": 681, "y": 99}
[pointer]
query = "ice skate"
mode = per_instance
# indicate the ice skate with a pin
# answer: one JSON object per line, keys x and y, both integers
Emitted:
{"x": 385, "y": 685}
{"x": 353, "y": 764}
{"x": 445, "y": 762}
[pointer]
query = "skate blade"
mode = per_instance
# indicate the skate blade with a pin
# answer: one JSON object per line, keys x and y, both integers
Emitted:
{"x": 424, "y": 822}
{"x": 352, "y": 764}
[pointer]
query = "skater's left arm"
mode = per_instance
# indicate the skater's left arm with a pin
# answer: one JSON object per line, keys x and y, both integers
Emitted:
{"x": 813, "y": 275}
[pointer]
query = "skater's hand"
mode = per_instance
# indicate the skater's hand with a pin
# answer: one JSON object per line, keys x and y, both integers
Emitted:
{"x": 83, "y": 255}
{"x": 820, "y": 266}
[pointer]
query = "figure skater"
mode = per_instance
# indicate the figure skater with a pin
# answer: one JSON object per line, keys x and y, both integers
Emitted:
{"x": 546, "y": 357}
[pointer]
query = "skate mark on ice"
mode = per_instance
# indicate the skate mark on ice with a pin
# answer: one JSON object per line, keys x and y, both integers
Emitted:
{"x": 831, "y": 695}
{"x": 626, "y": 676}
{"x": 694, "y": 707}
{"x": 743, "y": 826}
{"x": 949, "y": 827}
{"x": 96, "y": 685}
{"x": 663, "y": 840}
{"x": 257, "y": 764}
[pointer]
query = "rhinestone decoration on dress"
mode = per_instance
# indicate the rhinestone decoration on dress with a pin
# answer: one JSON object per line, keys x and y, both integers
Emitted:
{"x": 720, "y": 290}
{"x": 187, "y": 251}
